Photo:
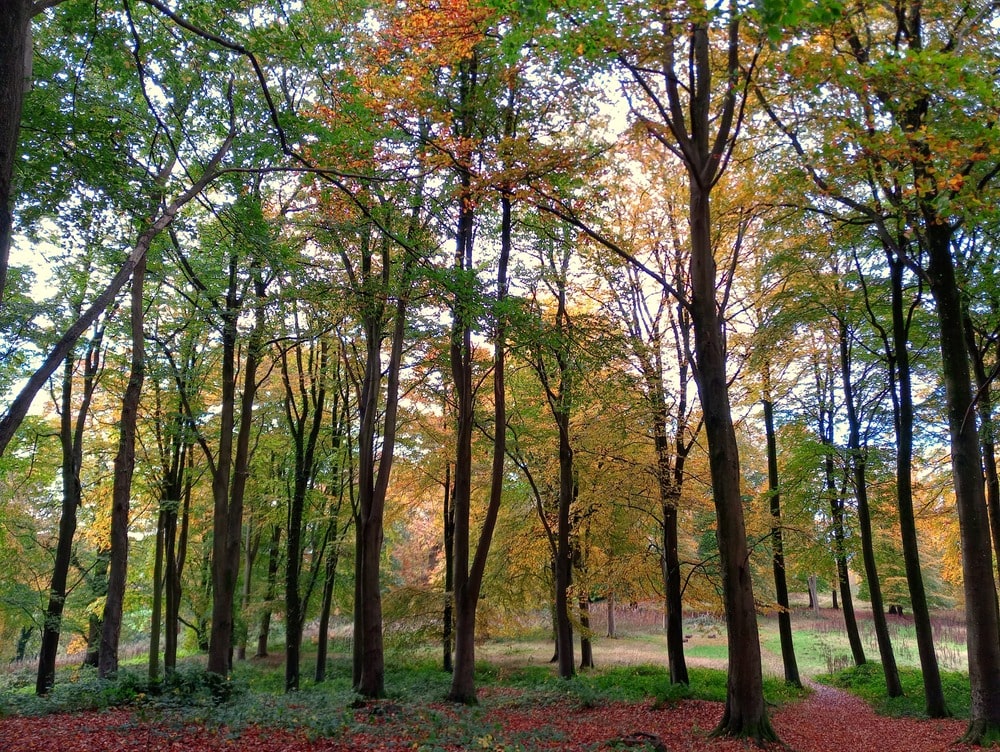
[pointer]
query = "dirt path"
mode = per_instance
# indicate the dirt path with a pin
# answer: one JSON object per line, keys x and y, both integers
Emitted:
{"x": 831, "y": 720}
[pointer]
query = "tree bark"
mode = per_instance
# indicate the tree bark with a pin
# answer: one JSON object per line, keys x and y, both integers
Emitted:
{"x": 837, "y": 520}
{"x": 703, "y": 139}
{"x": 232, "y": 468}
{"x": 586, "y": 645}
{"x": 902, "y": 394}
{"x": 777, "y": 543}
{"x": 273, "y": 560}
{"x": 745, "y": 713}
{"x": 373, "y": 487}
{"x": 156, "y": 617}
{"x": 984, "y": 405}
{"x": 326, "y": 606}
{"x": 983, "y": 617}
{"x": 448, "y": 612}
{"x": 71, "y": 440}
{"x": 304, "y": 416}
{"x": 858, "y": 462}
{"x": 15, "y": 57}
{"x": 251, "y": 545}
{"x": 121, "y": 494}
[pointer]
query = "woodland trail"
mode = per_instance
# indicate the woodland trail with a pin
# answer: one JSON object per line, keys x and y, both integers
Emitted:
{"x": 831, "y": 719}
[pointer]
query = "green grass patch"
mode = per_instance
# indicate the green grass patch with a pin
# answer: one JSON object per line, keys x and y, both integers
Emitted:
{"x": 715, "y": 651}
{"x": 868, "y": 682}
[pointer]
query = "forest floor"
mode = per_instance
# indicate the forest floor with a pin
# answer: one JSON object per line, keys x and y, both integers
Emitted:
{"x": 509, "y": 718}
{"x": 829, "y": 720}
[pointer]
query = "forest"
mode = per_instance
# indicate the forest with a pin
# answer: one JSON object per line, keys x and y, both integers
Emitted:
{"x": 345, "y": 325}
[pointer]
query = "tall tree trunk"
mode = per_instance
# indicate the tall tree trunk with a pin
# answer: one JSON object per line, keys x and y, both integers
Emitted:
{"x": 670, "y": 478}
{"x": 448, "y": 612}
{"x": 982, "y": 615}
{"x": 858, "y": 463}
{"x": 15, "y": 73}
{"x": 71, "y": 440}
{"x": 984, "y": 405}
{"x": 228, "y": 487}
{"x": 373, "y": 487}
{"x": 326, "y": 606}
{"x": 777, "y": 542}
{"x": 902, "y": 398}
{"x": 560, "y": 398}
{"x": 824, "y": 391}
{"x": 156, "y": 617}
{"x": 745, "y": 713}
{"x": 469, "y": 567}
{"x": 121, "y": 494}
{"x": 304, "y": 407}
{"x": 357, "y": 644}
{"x": 176, "y": 555}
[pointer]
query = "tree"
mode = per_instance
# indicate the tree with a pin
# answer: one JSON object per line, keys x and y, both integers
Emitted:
{"x": 777, "y": 538}
{"x": 703, "y": 139}
{"x": 305, "y": 403}
{"x": 124, "y": 467}
{"x": 658, "y": 330}
{"x": 908, "y": 147}
{"x": 72, "y": 425}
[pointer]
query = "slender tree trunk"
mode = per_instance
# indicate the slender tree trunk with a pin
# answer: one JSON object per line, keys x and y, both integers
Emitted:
{"x": 304, "y": 415}
{"x": 97, "y": 582}
{"x": 156, "y": 618}
{"x": 670, "y": 477}
{"x": 902, "y": 394}
{"x": 612, "y": 627}
{"x": 326, "y": 607}
{"x": 251, "y": 546}
{"x": 448, "y": 613}
{"x": 983, "y": 617}
{"x": 777, "y": 544}
{"x": 858, "y": 464}
{"x": 228, "y": 488}
{"x": 223, "y": 581}
{"x": 176, "y": 555}
{"x": 273, "y": 561}
{"x": 121, "y": 494}
{"x": 373, "y": 488}
{"x": 586, "y": 645}
{"x": 71, "y": 439}
{"x": 567, "y": 493}
{"x": 837, "y": 523}
{"x": 357, "y": 644}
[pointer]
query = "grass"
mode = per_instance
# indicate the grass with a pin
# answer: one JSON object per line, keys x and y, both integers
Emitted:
{"x": 868, "y": 682}
{"x": 631, "y": 669}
